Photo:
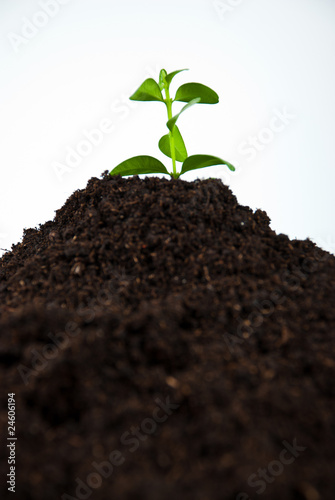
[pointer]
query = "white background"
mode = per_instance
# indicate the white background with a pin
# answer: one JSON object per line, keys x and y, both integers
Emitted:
{"x": 66, "y": 65}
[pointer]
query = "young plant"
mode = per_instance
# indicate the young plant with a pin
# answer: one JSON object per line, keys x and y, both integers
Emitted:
{"x": 171, "y": 144}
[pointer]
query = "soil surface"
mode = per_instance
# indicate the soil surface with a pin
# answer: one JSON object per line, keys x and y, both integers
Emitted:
{"x": 164, "y": 343}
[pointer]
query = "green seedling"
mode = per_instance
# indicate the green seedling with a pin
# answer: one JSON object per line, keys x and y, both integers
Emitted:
{"x": 171, "y": 144}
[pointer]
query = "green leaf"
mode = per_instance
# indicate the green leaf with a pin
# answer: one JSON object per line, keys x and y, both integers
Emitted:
{"x": 171, "y": 123}
{"x": 190, "y": 91}
{"x": 162, "y": 76}
{"x": 140, "y": 165}
{"x": 180, "y": 148}
{"x": 148, "y": 91}
{"x": 169, "y": 77}
{"x": 200, "y": 161}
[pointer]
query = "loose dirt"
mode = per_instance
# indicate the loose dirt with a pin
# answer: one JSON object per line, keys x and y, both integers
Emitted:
{"x": 163, "y": 342}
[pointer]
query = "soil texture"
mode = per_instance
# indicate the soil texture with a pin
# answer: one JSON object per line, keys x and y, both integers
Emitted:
{"x": 163, "y": 342}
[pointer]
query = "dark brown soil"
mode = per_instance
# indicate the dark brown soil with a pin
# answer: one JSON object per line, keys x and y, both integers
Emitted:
{"x": 161, "y": 319}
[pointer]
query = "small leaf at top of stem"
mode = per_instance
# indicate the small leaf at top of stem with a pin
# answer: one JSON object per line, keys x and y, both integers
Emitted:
{"x": 162, "y": 77}
{"x": 169, "y": 77}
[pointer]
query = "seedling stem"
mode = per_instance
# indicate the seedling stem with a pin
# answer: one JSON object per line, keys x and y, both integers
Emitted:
{"x": 168, "y": 102}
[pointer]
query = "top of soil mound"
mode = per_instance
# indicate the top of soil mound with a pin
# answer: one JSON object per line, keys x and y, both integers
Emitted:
{"x": 161, "y": 236}
{"x": 141, "y": 290}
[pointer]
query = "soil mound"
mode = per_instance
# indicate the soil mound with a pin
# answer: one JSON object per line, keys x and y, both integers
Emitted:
{"x": 163, "y": 342}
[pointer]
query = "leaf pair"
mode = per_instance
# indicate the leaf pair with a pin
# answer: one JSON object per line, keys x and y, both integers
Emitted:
{"x": 150, "y": 165}
{"x": 150, "y": 90}
{"x": 171, "y": 144}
